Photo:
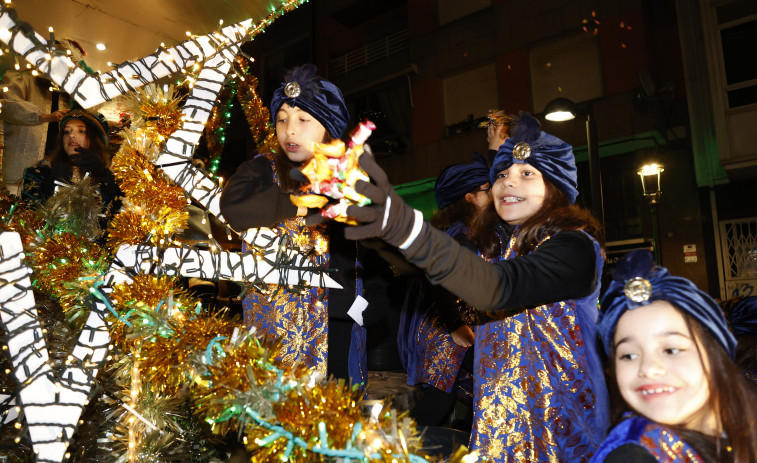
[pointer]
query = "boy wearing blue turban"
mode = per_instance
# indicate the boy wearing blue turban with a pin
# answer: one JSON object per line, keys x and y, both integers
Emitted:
{"x": 311, "y": 326}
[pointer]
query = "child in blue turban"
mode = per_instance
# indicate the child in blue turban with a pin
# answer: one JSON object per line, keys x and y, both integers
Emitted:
{"x": 439, "y": 339}
{"x": 311, "y": 327}
{"x": 670, "y": 354}
{"x": 741, "y": 313}
{"x": 539, "y": 391}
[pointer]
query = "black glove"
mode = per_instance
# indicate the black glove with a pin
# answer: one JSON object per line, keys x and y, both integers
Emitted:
{"x": 400, "y": 218}
{"x": 87, "y": 161}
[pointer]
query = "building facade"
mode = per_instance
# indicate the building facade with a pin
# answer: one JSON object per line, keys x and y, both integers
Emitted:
{"x": 667, "y": 82}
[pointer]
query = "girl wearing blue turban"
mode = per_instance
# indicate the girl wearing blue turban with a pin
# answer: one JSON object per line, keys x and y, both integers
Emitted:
{"x": 539, "y": 384}
{"x": 310, "y": 327}
{"x": 670, "y": 355}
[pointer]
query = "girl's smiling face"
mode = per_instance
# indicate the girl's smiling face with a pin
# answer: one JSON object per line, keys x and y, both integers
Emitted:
{"x": 75, "y": 136}
{"x": 297, "y": 130}
{"x": 660, "y": 372}
{"x": 518, "y": 192}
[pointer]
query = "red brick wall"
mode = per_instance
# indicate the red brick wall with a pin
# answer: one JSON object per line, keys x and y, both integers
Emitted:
{"x": 427, "y": 114}
{"x": 623, "y": 51}
{"x": 513, "y": 81}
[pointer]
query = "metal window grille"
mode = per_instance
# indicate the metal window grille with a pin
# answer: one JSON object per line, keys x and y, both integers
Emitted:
{"x": 738, "y": 241}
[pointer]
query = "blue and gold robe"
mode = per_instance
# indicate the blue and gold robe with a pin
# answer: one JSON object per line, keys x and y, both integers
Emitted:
{"x": 438, "y": 358}
{"x": 297, "y": 321}
{"x": 662, "y": 443}
{"x": 539, "y": 390}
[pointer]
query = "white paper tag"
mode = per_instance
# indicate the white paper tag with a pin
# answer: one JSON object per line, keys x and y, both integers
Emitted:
{"x": 356, "y": 311}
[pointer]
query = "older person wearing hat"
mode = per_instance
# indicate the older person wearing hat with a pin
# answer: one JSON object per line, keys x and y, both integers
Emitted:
{"x": 539, "y": 386}
{"x": 310, "y": 327}
{"x": 80, "y": 150}
{"x": 670, "y": 355}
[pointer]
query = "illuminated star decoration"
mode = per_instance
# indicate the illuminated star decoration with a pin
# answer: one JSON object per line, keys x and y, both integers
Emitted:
{"x": 214, "y": 52}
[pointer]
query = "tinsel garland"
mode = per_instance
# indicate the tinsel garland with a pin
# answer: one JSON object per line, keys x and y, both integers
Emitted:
{"x": 14, "y": 216}
{"x": 218, "y": 121}
{"x": 64, "y": 266}
{"x": 155, "y": 110}
{"x": 168, "y": 330}
{"x": 257, "y": 115}
{"x": 75, "y": 208}
{"x": 65, "y": 254}
{"x": 155, "y": 205}
{"x": 255, "y": 112}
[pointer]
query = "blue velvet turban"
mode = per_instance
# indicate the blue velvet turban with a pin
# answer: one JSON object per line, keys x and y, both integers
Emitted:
{"x": 638, "y": 282}
{"x": 743, "y": 317}
{"x": 547, "y": 153}
{"x": 320, "y": 98}
{"x": 457, "y": 180}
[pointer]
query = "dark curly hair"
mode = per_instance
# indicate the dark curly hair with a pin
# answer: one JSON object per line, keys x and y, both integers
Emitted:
{"x": 556, "y": 214}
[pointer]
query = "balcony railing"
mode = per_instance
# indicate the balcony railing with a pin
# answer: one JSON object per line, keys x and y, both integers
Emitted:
{"x": 375, "y": 51}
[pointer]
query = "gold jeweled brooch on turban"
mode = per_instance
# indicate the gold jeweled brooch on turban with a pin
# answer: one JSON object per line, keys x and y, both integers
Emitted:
{"x": 638, "y": 289}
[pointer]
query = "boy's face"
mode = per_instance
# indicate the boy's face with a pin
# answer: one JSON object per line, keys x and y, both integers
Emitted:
{"x": 297, "y": 130}
{"x": 659, "y": 369}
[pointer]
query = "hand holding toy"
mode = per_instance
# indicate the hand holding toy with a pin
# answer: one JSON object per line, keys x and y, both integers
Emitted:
{"x": 332, "y": 173}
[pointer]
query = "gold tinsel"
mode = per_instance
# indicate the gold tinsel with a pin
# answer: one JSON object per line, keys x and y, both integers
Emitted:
{"x": 139, "y": 140}
{"x": 242, "y": 387}
{"x": 213, "y": 130}
{"x": 255, "y": 112}
{"x": 154, "y": 206}
{"x": 156, "y": 111}
{"x": 143, "y": 291}
{"x": 65, "y": 265}
{"x": 332, "y": 403}
{"x": 166, "y": 323}
{"x": 16, "y": 216}
{"x": 164, "y": 361}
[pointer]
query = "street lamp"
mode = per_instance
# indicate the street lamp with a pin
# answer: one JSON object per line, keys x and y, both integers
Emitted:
{"x": 651, "y": 175}
{"x": 563, "y": 109}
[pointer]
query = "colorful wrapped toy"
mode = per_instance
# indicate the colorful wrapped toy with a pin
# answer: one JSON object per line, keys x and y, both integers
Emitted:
{"x": 332, "y": 173}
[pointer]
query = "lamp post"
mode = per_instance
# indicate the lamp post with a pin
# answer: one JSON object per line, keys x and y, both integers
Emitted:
{"x": 651, "y": 175}
{"x": 563, "y": 109}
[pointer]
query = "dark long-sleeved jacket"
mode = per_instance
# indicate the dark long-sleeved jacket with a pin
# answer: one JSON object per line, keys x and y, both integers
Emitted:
{"x": 251, "y": 199}
{"x": 562, "y": 268}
